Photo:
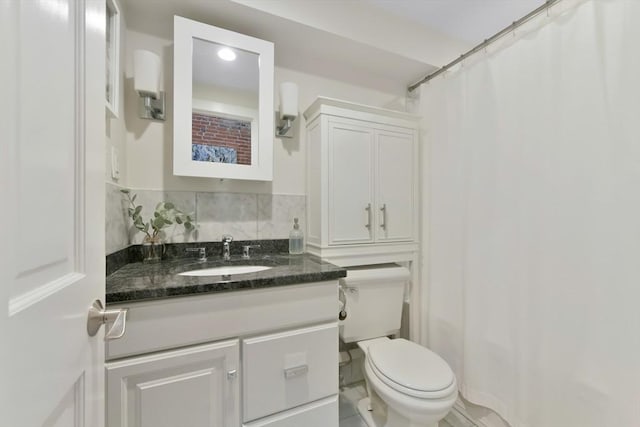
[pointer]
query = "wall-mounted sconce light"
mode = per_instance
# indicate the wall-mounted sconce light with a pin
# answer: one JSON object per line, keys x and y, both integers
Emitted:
{"x": 288, "y": 108}
{"x": 146, "y": 81}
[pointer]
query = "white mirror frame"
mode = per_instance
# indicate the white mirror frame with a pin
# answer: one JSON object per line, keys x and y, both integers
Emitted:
{"x": 185, "y": 31}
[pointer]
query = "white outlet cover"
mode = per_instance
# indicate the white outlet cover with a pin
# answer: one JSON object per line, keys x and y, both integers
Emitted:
{"x": 115, "y": 163}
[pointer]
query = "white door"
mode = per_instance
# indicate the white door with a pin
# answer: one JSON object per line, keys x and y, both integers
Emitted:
{"x": 351, "y": 215}
{"x": 395, "y": 200}
{"x": 52, "y": 219}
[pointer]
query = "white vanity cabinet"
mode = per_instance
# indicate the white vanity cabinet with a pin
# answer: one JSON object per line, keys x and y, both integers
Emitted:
{"x": 254, "y": 358}
{"x": 362, "y": 182}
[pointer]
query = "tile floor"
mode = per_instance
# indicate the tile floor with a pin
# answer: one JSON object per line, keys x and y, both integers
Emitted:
{"x": 349, "y": 417}
{"x": 348, "y": 410}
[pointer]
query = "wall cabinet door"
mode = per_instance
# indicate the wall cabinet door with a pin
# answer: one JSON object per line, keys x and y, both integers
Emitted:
{"x": 371, "y": 174}
{"x": 395, "y": 204}
{"x": 193, "y": 387}
{"x": 351, "y": 180}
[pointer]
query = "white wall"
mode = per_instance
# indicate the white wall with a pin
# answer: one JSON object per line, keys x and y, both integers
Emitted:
{"x": 227, "y": 103}
{"x": 246, "y": 99}
{"x": 149, "y": 143}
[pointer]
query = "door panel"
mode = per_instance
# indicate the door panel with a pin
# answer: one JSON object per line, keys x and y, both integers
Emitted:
{"x": 44, "y": 166}
{"x": 53, "y": 183}
{"x": 351, "y": 207}
{"x": 68, "y": 412}
{"x": 395, "y": 198}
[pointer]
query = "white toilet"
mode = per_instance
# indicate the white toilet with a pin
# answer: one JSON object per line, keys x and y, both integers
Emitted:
{"x": 408, "y": 385}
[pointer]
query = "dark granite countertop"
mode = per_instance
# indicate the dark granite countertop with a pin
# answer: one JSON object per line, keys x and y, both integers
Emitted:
{"x": 149, "y": 281}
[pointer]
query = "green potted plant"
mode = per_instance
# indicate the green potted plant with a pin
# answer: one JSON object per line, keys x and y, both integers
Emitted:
{"x": 165, "y": 214}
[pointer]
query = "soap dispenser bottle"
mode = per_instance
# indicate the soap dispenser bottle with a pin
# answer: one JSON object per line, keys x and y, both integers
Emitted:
{"x": 296, "y": 239}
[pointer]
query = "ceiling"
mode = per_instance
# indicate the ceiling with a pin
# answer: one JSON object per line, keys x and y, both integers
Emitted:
{"x": 468, "y": 20}
{"x": 382, "y": 44}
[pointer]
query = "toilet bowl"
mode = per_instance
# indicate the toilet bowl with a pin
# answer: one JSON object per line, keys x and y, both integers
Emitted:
{"x": 408, "y": 385}
{"x": 415, "y": 385}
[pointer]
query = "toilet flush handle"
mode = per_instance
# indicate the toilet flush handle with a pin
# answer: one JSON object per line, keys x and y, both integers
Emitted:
{"x": 342, "y": 298}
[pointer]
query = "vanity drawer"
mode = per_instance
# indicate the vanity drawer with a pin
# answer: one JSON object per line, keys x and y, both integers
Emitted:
{"x": 323, "y": 413}
{"x": 288, "y": 369}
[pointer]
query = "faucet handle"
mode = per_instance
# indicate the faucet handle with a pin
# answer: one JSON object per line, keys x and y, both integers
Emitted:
{"x": 227, "y": 238}
{"x": 246, "y": 250}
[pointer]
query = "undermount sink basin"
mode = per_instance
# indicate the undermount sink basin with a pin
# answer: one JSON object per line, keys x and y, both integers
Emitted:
{"x": 225, "y": 271}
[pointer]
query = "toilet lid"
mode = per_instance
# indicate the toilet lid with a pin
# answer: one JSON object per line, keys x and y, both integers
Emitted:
{"x": 411, "y": 366}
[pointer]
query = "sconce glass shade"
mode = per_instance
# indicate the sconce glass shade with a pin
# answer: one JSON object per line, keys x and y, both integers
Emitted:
{"x": 146, "y": 81}
{"x": 288, "y": 100}
{"x": 146, "y": 73}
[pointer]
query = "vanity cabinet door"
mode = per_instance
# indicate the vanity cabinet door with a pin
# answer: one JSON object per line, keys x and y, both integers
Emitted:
{"x": 192, "y": 387}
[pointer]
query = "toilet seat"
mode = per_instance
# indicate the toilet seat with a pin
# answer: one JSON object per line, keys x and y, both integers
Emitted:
{"x": 411, "y": 369}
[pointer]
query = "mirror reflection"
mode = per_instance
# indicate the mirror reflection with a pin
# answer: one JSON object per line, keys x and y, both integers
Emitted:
{"x": 224, "y": 118}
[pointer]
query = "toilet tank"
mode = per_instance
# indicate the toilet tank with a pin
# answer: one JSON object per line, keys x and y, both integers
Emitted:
{"x": 374, "y": 297}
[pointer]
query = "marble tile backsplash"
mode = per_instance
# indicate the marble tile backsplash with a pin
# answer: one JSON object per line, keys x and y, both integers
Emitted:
{"x": 116, "y": 220}
{"x": 276, "y": 213}
{"x": 227, "y": 213}
{"x": 242, "y": 215}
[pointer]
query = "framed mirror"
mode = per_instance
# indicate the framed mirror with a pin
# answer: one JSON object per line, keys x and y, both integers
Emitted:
{"x": 223, "y": 103}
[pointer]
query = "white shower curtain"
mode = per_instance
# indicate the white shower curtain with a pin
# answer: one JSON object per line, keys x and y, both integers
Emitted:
{"x": 533, "y": 220}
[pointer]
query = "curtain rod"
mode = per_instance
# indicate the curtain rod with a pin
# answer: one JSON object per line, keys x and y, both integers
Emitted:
{"x": 485, "y": 43}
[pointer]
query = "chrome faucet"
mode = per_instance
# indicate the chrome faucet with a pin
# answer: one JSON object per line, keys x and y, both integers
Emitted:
{"x": 226, "y": 246}
{"x": 202, "y": 253}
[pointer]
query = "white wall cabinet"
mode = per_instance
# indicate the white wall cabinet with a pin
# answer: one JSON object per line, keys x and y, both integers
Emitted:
{"x": 180, "y": 364}
{"x": 362, "y": 183}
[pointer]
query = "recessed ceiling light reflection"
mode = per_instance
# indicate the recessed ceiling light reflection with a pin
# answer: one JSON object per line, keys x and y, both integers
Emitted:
{"x": 227, "y": 54}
